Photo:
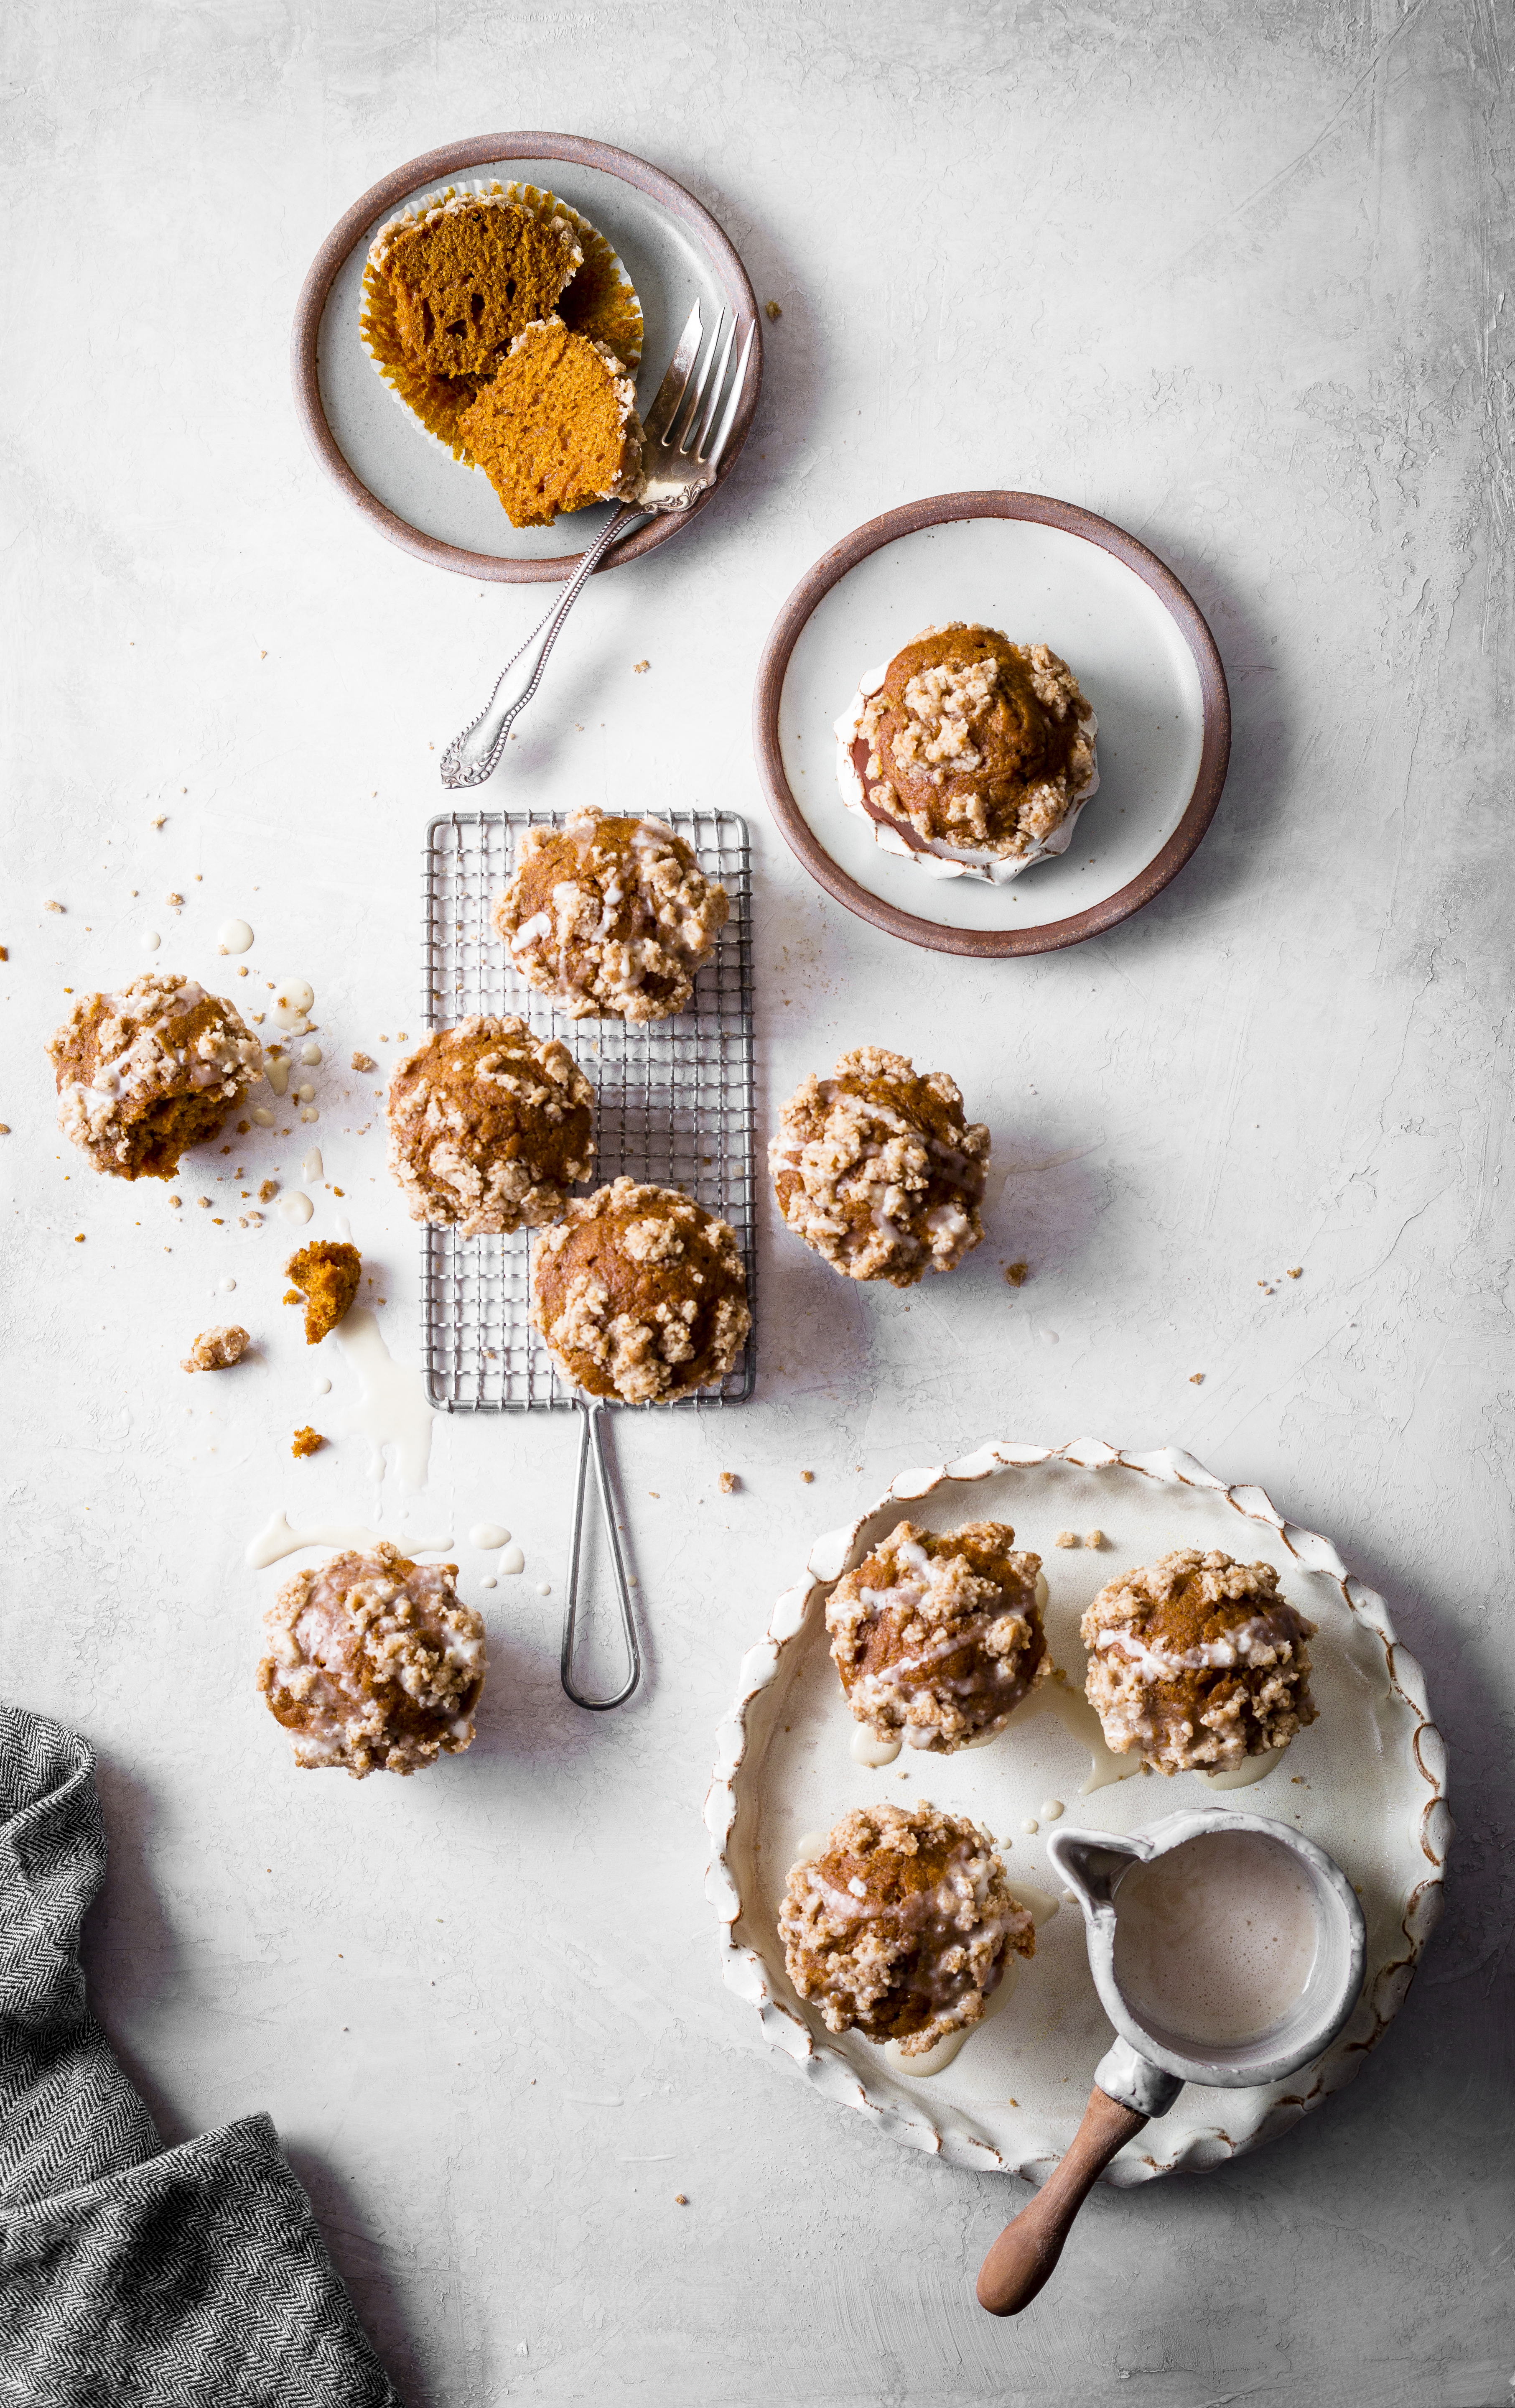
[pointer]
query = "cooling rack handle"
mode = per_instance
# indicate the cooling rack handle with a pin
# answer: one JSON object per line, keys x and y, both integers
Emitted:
{"x": 592, "y": 1443}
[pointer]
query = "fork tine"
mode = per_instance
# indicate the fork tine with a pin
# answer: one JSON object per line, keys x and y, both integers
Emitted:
{"x": 679, "y": 434}
{"x": 670, "y": 392}
{"x": 718, "y": 386}
{"x": 730, "y": 418}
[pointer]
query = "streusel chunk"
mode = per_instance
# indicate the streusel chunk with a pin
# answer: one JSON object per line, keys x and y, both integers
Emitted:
{"x": 902, "y": 1928}
{"x": 610, "y": 916}
{"x": 938, "y": 1635}
{"x": 1197, "y": 1662}
{"x": 375, "y": 1665}
{"x": 640, "y": 1293}
{"x": 217, "y": 1350}
{"x": 147, "y": 1072}
{"x": 877, "y": 1169}
{"x": 489, "y": 1126}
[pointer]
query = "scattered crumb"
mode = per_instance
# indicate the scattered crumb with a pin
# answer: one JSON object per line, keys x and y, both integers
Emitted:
{"x": 243, "y": 1127}
{"x": 773, "y": 310}
{"x": 339, "y": 1191}
{"x": 161, "y": 819}
{"x": 729, "y": 1483}
{"x": 653, "y": 1492}
{"x": 5, "y": 1128}
{"x": 806, "y": 1477}
{"x": 203, "y": 1202}
{"x": 254, "y": 1221}
{"x": 1298, "y": 1271}
{"x": 306, "y": 1441}
{"x": 400, "y": 1037}
{"x": 217, "y": 1350}
{"x": 268, "y": 1191}
{"x": 52, "y": 907}
{"x": 1093, "y": 1538}
{"x": 363, "y": 1062}
{"x": 4, "y": 956}
{"x": 1196, "y": 1378}
{"x": 328, "y": 1271}
{"x": 292, "y": 1296}
{"x": 263, "y": 656}
{"x": 80, "y": 1239}
{"x": 176, "y": 1201}
{"x": 177, "y": 900}
{"x": 639, "y": 668}
{"x": 1066, "y": 1538}
{"x": 678, "y": 2199}
{"x": 1015, "y": 1273}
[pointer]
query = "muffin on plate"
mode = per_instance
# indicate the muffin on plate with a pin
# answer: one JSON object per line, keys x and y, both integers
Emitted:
{"x": 375, "y": 1665}
{"x": 467, "y": 274}
{"x": 877, "y": 1169}
{"x": 326, "y": 1276}
{"x": 489, "y": 1126}
{"x": 902, "y": 1927}
{"x": 557, "y": 427}
{"x": 967, "y": 754}
{"x": 1197, "y": 1662}
{"x": 610, "y": 916}
{"x": 639, "y": 1293}
{"x": 938, "y": 1635}
{"x": 147, "y": 1072}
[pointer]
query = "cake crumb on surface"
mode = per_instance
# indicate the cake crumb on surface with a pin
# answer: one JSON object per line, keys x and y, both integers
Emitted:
{"x": 729, "y": 1483}
{"x": 772, "y": 310}
{"x": 217, "y": 1350}
{"x": 1015, "y": 1273}
{"x": 51, "y": 906}
{"x": 678, "y": 2199}
{"x": 363, "y": 1062}
{"x": 1196, "y": 1378}
{"x": 1066, "y": 1538}
{"x": 639, "y": 668}
{"x": 1298, "y": 1271}
{"x": 1093, "y": 1538}
{"x": 268, "y": 1191}
{"x": 306, "y": 1441}
{"x": 806, "y": 1477}
{"x": 327, "y": 1271}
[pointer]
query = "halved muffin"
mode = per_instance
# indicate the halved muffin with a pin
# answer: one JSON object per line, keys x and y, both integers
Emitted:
{"x": 468, "y": 276}
{"x": 557, "y": 428}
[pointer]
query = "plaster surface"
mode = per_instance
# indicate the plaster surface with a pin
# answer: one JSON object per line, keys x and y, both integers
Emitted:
{"x": 1232, "y": 276}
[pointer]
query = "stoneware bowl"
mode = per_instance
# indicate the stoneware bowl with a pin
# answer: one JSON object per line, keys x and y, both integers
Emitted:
{"x": 1365, "y": 1783}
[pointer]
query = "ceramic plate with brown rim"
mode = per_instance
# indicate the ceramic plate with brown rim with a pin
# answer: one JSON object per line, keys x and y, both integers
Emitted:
{"x": 1041, "y": 571}
{"x": 406, "y": 483}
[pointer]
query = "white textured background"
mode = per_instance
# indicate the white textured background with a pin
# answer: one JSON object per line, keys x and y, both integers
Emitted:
{"x": 1229, "y": 274}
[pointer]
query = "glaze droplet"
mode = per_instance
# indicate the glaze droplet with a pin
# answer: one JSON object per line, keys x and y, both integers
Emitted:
{"x": 291, "y": 1002}
{"x": 151, "y": 940}
{"x": 320, "y": 1387}
{"x": 487, "y": 1536}
{"x": 512, "y": 1560}
{"x": 296, "y": 1207}
{"x": 233, "y": 935}
{"x": 312, "y": 1169}
{"x": 264, "y": 1117}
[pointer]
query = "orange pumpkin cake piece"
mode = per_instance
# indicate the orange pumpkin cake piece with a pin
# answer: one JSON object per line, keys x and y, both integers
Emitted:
{"x": 468, "y": 276}
{"x": 558, "y": 428}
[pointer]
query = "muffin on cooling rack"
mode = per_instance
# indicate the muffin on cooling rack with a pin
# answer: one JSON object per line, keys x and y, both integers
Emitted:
{"x": 147, "y": 1072}
{"x": 938, "y": 1635}
{"x": 610, "y": 916}
{"x": 1197, "y": 1662}
{"x": 902, "y": 1927}
{"x": 374, "y": 1663}
{"x": 877, "y": 1169}
{"x": 970, "y": 755}
{"x": 489, "y": 1126}
{"x": 639, "y": 1293}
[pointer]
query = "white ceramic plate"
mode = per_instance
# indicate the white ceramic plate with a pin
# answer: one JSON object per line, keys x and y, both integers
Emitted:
{"x": 383, "y": 458}
{"x": 1366, "y": 1781}
{"x": 1043, "y": 572}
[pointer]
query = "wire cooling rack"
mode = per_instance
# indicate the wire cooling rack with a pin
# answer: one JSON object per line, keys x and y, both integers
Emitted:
{"x": 674, "y": 1104}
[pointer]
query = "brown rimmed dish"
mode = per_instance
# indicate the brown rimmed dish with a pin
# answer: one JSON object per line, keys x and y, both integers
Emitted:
{"x": 940, "y": 935}
{"x": 674, "y": 249}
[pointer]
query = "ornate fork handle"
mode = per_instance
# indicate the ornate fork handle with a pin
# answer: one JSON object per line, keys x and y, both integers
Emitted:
{"x": 474, "y": 756}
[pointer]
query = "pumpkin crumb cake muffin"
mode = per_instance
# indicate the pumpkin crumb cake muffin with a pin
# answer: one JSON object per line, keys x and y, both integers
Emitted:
{"x": 970, "y": 755}
{"x": 902, "y": 1927}
{"x": 1197, "y": 1662}
{"x": 489, "y": 1126}
{"x": 147, "y": 1072}
{"x": 640, "y": 1293}
{"x": 610, "y": 916}
{"x": 937, "y": 1636}
{"x": 374, "y": 1665}
{"x": 468, "y": 276}
{"x": 326, "y": 1276}
{"x": 877, "y": 1169}
{"x": 557, "y": 428}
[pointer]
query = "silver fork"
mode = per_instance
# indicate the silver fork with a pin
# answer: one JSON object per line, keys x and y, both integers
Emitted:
{"x": 686, "y": 431}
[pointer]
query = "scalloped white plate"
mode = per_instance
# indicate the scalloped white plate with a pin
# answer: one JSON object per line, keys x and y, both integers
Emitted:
{"x": 1366, "y": 1781}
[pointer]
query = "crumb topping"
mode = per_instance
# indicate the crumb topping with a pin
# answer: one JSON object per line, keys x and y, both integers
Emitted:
{"x": 610, "y": 916}
{"x": 326, "y": 1274}
{"x": 902, "y": 1927}
{"x": 374, "y": 1663}
{"x": 1197, "y": 1662}
{"x": 938, "y": 1637}
{"x": 640, "y": 1293}
{"x": 489, "y": 1126}
{"x": 217, "y": 1350}
{"x": 147, "y": 1072}
{"x": 877, "y": 1169}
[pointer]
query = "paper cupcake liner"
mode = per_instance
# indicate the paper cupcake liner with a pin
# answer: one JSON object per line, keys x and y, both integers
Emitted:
{"x": 933, "y": 855}
{"x": 599, "y": 300}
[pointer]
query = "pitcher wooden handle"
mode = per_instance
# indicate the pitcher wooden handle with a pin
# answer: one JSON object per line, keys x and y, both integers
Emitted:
{"x": 1032, "y": 2242}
